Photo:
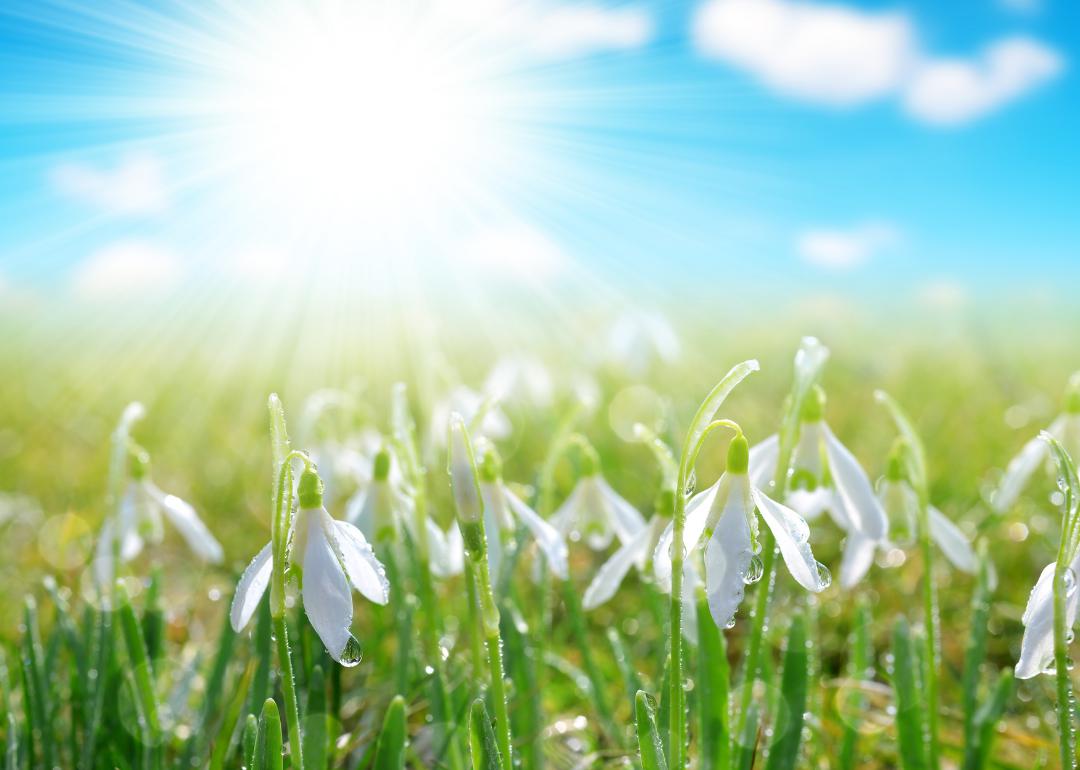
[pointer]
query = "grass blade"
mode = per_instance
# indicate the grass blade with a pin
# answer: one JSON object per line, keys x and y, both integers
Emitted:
{"x": 316, "y": 723}
{"x": 250, "y": 740}
{"x": 650, "y": 748}
{"x": 390, "y": 750}
{"x": 977, "y": 754}
{"x": 787, "y": 734}
{"x": 232, "y": 717}
{"x": 483, "y": 746}
{"x": 975, "y": 653}
{"x": 269, "y": 754}
{"x": 858, "y": 671}
{"x": 910, "y": 727}
{"x": 714, "y": 688}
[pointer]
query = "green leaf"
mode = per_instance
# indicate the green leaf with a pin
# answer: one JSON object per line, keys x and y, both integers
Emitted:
{"x": 787, "y": 733}
{"x": 227, "y": 728}
{"x": 315, "y": 722}
{"x": 977, "y": 754}
{"x": 705, "y": 413}
{"x": 483, "y": 745}
{"x": 215, "y": 689}
{"x": 910, "y": 727}
{"x": 250, "y": 740}
{"x": 858, "y": 670}
{"x": 390, "y": 750}
{"x": 268, "y": 749}
{"x": 649, "y": 745}
{"x": 747, "y": 745}
{"x": 713, "y": 688}
{"x": 975, "y": 653}
{"x": 141, "y": 671}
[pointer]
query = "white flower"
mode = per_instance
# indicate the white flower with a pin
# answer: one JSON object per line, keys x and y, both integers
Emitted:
{"x": 520, "y": 378}
{"x": 902, "y": 505}
{"x": 638, "y": 340}
{"x": 723, "y": 516}
{"x": 594, "y": 511}
{"x": 635, "y": 553}
{"x": 494, "y": 424}
{"x": 1037, "y": 648}
{"x": 501, "y": 508}
{"x": 330, "y": 556}
{"x": 827, "y": 477}
{"x": 139, "y": 518}
{"x": 1066, "y": 429}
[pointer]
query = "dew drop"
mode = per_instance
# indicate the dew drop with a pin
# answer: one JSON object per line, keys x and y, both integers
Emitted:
{"x": 824, "y": 576}
{"x": 730, "y": 623}
{"x": 691, "y": 484}
{"x": 754, "y": 570}
{"x": 350, "y": 656}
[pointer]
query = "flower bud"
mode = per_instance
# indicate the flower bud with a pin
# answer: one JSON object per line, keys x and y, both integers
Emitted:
{"x": 382, "y": 465}
{"x": 310, "y": 489}
{"x": 463, "y": 481}
{"x": 738, "y": 454}
{"x": 813, "y": 408}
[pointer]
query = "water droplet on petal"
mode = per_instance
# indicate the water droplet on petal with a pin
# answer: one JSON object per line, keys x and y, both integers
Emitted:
{"x": 730, "y": 623}
{"x": 350, "y": 656}
{"x": 754, "y": 570}
{"x": 824, "y": 576}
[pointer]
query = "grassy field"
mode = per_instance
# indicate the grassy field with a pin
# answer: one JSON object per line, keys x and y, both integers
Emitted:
{"x": 78, "y": 693}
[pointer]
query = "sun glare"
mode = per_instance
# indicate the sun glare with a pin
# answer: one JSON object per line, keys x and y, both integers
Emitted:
{"x": 356, "y": 113}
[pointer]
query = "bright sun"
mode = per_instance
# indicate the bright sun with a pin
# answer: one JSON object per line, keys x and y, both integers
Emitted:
{"x": 343, "y": 113}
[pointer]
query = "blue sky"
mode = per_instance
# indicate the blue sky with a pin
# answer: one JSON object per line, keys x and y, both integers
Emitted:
{"x": 753, "y": 144}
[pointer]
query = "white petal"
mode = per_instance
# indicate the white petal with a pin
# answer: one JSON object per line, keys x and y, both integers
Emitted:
{"x": 1037, "y": 647}
{"x": 327, "y": 598}
{"x": 763, "y": 458}
{"x": 952, "y": 542}
{"x": 807, "y": 456}
{"x": 566, "y": 517}
{"x": 455, "y": 550}
{"x": 548, "y": 539}
{"x": 251, "y": 588}
{"x": 1023, "y": 465}
{"x": 612, "y": 572}
{"x": 365, "y": 572}
{"x": 697, "y": 517}
{"x": 445, "y": 551}
{"x": 792, "y": 535}
{"x": 901, "y": 506}
{"x": 127, "y": 528}
{"x": 104, "y": 569}
{"x": 183, "y": 517}
{"x": 493, "y": 535}
{"x": 810, "y": 504}
{"x": 728, "y": 555}
{"x": 625, "y": 518}
{"x": 852, "y": 484}
{"x": 359, "y": 510}
{"x": 858, "y": 556}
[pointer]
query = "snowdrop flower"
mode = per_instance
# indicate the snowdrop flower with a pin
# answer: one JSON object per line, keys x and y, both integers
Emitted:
{"x": 383, "y": 510}
{"x": 520, "y": 378}
{"x": 1066, "y": 429}
{"x": 1037, "y": 647}
{"x": 901, "y": 504}
{"x": 635, "y": 553}
{"x": 493, "y": 422}
{"x": 594, "y": 511}
{"x": 502, "y": 509}
{"x": 139, "y": 518}
{"x": 827, "y": 477}
{"x": 638, "y": 340}
{"x": 723, "y": 517}
{"x": 328, "y": 556}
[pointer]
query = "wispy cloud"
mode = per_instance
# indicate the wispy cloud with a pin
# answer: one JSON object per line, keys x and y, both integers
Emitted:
{"x": 128, "y": 268}
{"x": 843, "y": 249}
{"x": 821, "y": 53}
{"x": 954, "y": 91}
{"x": 134, "y": 186}
{"x": 516, "y": 251}
{"x": 583, "y": 29}
{"x": 841, "y": 56}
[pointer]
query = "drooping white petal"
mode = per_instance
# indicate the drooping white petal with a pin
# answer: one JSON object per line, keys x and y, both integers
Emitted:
{"x": 810, "y": 504}
{"x": 360, "y": 511}
{"x": 807, "y": 456}
{"x": 183, "y": 517}
{"x": 612, "y": 572}
{"x": 853, "y": 485}
{"x": 365, "y": 572}
{"x": 792, "y": 536}
{"x": 493, "y": 535}
{"x": 566, "y": 516}
{"x": 445, "y": 550}
{"x": 763, "y": 458}
{"x": 1023, "y": 465}
{"x": 697, "y": 517}
{"x": 547, "y": 538}
{"x": 901, "y": 506}
{"x": 728, "y": 555}
{"x": 146, "y": 501}
{"x": 250, "y": 589}
{"x": 858, "y": 556}
{"x": 952, "y": 542}
{"x": 127, "y": 523}
{"x": 104, "y": 567}
{"x": 326, "y": 593}
{"x": 455, "y": 551}
{"x": 592, "y": 521}
{"x": 626, "y": 520}
{"x": 1037, "y": 647}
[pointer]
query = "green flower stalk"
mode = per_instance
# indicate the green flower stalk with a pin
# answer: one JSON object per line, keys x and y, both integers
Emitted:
{"x": 700, "y": 427}
{"x": 468, "y": 502}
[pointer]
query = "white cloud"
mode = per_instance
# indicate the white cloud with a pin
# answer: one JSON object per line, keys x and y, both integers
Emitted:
{"x": 954, "y": 91}
{"x": 126, "y": 268}
{"x": 516, "y": 251}
{"x": 135, "y": 186}
{"x": 943, "y": 294}
{"x": 840, "y": 56}
{"x": 1028, "y": 7}
{"x": 583, "y": 29}
{"x": 845, "y": 249}
{"x": 821, "y": 53}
